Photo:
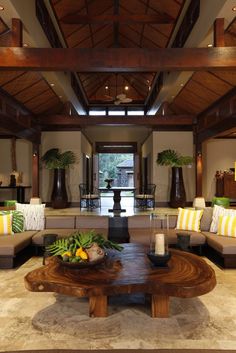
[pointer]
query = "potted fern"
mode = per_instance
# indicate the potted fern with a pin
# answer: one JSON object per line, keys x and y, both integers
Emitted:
{"x": 175, "y": 161}
{"x": 59, "y": 162}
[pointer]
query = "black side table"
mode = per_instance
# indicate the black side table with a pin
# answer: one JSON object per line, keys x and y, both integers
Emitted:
{"x": 48, "y": 239}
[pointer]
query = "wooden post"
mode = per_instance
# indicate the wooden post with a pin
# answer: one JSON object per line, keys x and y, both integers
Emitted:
{"x": 35, "y": 171}
{"x": 198, "y": 161}
{"x": 16, "y": 33}
{"x": 219, "y": 35}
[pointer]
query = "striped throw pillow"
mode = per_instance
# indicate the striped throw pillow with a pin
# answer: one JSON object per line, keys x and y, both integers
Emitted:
{"x": 189, "y": 219}
{"x": 217, "y": 212}
{"x": 17, "y": 220}
{"x": 5, "y": 224}
{"x": 227, "y": 226}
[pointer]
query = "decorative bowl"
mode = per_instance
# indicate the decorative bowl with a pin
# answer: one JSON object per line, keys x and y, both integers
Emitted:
{"x": 159, "y": 260}
{"x": 82, "y": 264}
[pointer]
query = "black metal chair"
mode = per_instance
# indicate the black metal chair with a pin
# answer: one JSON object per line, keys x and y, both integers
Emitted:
{"x": 146, "y": 197}
{"x": 89, "y": 199}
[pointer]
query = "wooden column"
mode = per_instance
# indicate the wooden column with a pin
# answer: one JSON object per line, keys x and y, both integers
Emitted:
{"x": 198, "y": 170}
{"x": 219, "y": 36}
{"x": 35, "y": 171}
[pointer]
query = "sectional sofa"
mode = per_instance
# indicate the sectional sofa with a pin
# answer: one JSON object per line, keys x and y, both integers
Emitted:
{"x": 14, "y": 248}
{"x": 219, "y": 248}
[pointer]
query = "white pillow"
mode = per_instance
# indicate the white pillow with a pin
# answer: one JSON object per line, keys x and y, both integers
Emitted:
{"x": 217, "y": 212}
{"x": 34, "y": 218}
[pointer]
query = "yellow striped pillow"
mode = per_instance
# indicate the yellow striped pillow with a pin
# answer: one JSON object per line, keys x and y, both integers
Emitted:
{"x": 227, "y": 226}
{"x": 6, "y": 224}
{"x": 189, "y": 219}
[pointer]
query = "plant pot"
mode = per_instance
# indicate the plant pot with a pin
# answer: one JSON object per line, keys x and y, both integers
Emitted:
{"x": 177, "y": 192}
{"x": 59, "y": 195}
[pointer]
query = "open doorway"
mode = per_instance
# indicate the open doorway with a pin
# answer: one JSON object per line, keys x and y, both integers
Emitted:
{"x": 116, "y": 166}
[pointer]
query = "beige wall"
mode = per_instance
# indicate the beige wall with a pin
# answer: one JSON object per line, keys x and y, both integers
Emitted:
{"x": 218, "y": 154}
{"x": 66, "y": 140}
{"x": 182, "y": 142}
{"x": 24, "y": 165}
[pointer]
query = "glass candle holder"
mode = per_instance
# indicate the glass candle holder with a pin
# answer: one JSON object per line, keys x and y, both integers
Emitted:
{"x": 159, "y": 224}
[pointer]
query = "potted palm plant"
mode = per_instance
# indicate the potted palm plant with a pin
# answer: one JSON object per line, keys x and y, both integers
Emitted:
{"x": 54, "y": 159}
{"x": 175, "y": 161}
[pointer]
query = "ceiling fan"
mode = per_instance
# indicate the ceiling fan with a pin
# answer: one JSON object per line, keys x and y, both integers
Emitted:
{"x": 119, "y": 99}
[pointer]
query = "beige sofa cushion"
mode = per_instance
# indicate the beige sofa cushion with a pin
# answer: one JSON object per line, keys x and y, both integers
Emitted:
{"x": 196, "y": 238}
{"x": 63, "y": 233}
{"x": 142, "y": 221}
{"x": 224, "y": 245}
{"x": 10, "y": 245}
{"x": 142, "y": 235}
{"x": 63, "y": 222}
{"x": 91, "y": 222}
{"x": 206, "y": 219}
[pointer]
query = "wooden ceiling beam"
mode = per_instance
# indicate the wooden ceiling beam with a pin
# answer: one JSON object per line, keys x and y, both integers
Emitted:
{"x": 14, "y": 127}
{"x": 117, "y": 59}
{"x": 219, "y": 33}
{"x": 78, "y": 121}
{"x": 122, "y": 19}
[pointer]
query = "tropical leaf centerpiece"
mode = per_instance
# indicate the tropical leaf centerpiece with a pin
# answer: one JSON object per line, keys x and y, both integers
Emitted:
{"x": 82, "y": 247}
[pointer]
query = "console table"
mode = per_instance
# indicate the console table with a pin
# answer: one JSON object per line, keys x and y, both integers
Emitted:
{"x": 117, "y": 197}
{"x": 20, "y": 191}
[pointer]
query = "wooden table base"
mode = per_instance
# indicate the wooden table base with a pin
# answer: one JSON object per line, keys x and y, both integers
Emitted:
{"x": 98, "y": 306}
{"x": 160, "y": 305}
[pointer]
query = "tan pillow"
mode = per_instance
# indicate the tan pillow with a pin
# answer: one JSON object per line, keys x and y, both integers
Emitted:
{"x": 206, "y": 219}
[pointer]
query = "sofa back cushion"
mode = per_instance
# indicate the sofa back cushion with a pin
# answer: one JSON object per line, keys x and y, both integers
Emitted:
{"x": 206, "y": 219}
{"x": 227, "y": 226}
{"x": 217, "y": 212}
{"x": 189, "y": 219}
{"x": 5, "y": 224}
{"x": 142, "y": 221}
{"x": 91, "y": 222}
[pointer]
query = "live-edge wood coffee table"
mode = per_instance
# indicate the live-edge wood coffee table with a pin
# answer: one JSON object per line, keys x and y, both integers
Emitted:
{"x": 129, "y": 271}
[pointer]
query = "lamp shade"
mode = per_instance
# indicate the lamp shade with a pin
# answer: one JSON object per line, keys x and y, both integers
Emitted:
{"x": 199, "y": 202}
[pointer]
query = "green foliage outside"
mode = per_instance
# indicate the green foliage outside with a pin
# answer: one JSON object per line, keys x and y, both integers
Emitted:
{"x": 108, "y": 163}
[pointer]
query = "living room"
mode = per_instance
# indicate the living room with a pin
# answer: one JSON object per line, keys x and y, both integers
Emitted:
{"x": 113, "y": 75}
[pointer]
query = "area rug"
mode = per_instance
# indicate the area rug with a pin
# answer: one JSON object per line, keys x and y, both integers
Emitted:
{"x": 31, "y": 321}
{"x": 129, "y": 351}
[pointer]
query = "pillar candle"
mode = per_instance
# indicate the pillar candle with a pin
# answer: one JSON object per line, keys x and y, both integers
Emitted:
{"x": 159, "y": 244}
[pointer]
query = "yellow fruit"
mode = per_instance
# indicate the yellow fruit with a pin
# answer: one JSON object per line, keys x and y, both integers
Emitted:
{"x": 83, "y": 255}
{"x": 78, "y": 251}
{"x": 67, "y": 253}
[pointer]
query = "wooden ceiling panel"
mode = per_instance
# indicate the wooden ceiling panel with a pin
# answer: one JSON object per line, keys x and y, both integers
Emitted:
{"x": 170, "y": 7}
{"x": 131, "y": 34}
{"x": 40, "y": 100}
{"x": 35, "y": 90}
{"x": 211, "y": 82}
{"x": 151, "y": 33}
{"x": 226, "y": 76}
{"x": 48, "y": 104}
{"x": 8, "y": 76}
{"x": 100, "y": 7}
{"x": 102, "y": 33}
{"x": 67, "y": 7}
{"x": 79, "y": 37}
{"x": 21, "y": 82}
{"x": 203, "y": 92}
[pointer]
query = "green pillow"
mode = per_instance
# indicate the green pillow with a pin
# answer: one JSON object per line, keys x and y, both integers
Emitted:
{"x": 17, "y": 220}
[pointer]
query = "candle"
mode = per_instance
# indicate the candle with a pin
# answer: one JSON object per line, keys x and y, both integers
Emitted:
{"x": 159, "y": 244}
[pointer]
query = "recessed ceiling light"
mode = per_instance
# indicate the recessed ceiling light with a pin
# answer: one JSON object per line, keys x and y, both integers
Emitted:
{"x": 52, "y": 84}
{"x": 209, "y": 45}
{"x": 181, "y": 84}
{"x": 172, "y": 96}
{"x": 148, "y": 81}
{"x": 149, "y": 88}
{"x": 1, "y": 8}
{"x": 234, "y": 8}
{"x": 60, "y": 96}
{"x": 25, "y": 45}
{"x": 106, "y": 87}
{"x": 126, "y": 88}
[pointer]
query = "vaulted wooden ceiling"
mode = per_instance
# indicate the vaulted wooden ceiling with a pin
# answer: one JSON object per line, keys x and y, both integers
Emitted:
{"x": 147, "y": 24}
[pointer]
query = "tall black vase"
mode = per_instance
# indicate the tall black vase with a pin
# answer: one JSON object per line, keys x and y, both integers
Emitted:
{"x": 177, "y": 192}
{"x": 59, "y": 195}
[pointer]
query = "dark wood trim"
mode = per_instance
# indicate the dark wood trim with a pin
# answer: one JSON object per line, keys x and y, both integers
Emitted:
{"x": 116, "y": 147}
{"x": 198, "y": 169}
{"x": 35, "y": 170}
{"x": 117, "y": 59}
{"x": 16, "y": 33}
{"x": 219, "y": 33}
{"x": 122, "y": 19}
{"x": 77, "y": 121}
